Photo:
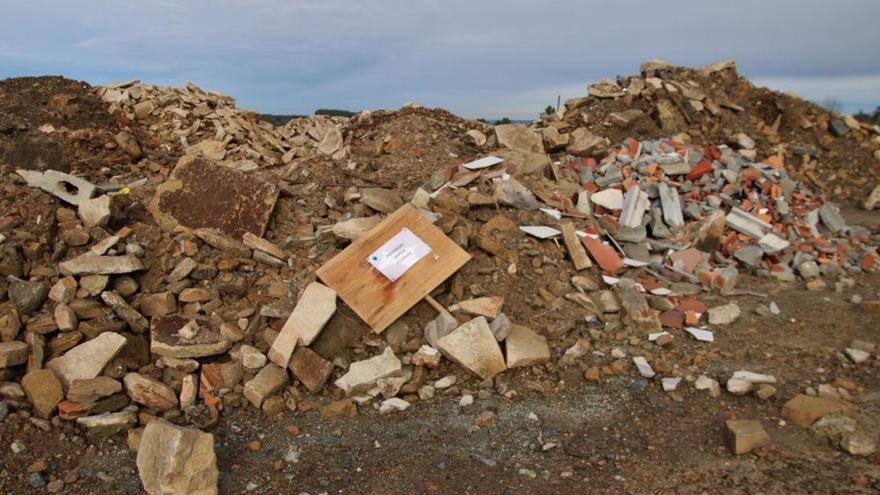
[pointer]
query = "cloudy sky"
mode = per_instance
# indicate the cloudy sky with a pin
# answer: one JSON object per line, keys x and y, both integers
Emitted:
{"x": 477, "y": 58}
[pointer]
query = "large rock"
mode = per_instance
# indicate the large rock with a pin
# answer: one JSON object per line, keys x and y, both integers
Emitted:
{"x": 362, "y": 375}
{"x": 584, "y": 143}
{"x": 268, "y": 382}
{"x": 473, "y": 346}
{"x": 174, "y": 460}
{"x": 149, "y": 392}
{"x": 310, "y": 368}
{"x": 93, "y": 264}
{"x": 314, "y": 308}
{"x": 745, "y": 435}
{"x": 28, "y": 296}
{"x": 199, "y": 194}
{"x": 43, "y": 391}
{"x": 669, "y": 117}
{"x": 525, "y": 347}
{"x": 88, "y": 359}
{"x": 13, "y": 354}
{"x": 642, "y": 317}
{"x": 519, "y": 137}
{"x": 90, "y": 390}
{"x": 805, "y": 410}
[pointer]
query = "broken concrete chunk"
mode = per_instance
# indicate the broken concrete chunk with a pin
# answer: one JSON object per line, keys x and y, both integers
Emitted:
{"x": 474, "y": 347}
{"x": 310, "y": 368}
{"x": 28, "y": 296}
{"x": 670, "y": 205}
{"x": 167, "y": 340}
{"x": 831, "y": 218}
{"x": 643, "y": 366}
{"x": 269, "y": 381}
{"x": 149, "y": 392}
{"x": 13, "y": 353}
{"x": 381, "y": 200}
{"x": 87, "y": 359}
{"x": 635, "y": 202}
{"x": 490, "y": 307}
{"x": 43, "y": 390}
{"x": 519, "y": 137}
{"x": 611, "y": 199}
{"x": 745, "y": 435}
{"x": 66, "y": 187}
{"x": 313, "y": 310}
{"x": 746, "y": 223}
{"x": 117, "y": 303}
{"x": 426, "y": 356}
{"x": 500, "y": 327}
{"x": 724, "y": 315}
{"x": 95, "y": 212}
{"x": 199, "y": 194}
{"x": 87, "y": 391}
{"x": 355, "y": 227}
{"x": 158, "y": 304}
{"x": 175, "y": 460}
{"x": 362, "y": 375}
{"x": 706, "y": 383}
{"x": 805, "y": 410}
{"x": 64, "y": 290}
{"x": 109, "y": 423}
{"x": 92, "y": 264}
{"x": 633, "y": 302}
{"x": 525, "y": 347}
{"x": 771, "y": 243}
{"x": 576, "y": 250}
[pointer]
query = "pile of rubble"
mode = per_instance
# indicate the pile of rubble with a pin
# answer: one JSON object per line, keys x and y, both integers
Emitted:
{"x": 198, "y": 284}
{"x": 207, "y": 124}
{"x": 713, "y": 104}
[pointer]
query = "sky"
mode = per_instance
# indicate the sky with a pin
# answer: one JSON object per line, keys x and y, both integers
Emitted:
{"x": 476, "y": 58}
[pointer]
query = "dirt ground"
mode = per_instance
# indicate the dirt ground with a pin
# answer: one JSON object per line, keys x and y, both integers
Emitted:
{"x": 623, "y": 435}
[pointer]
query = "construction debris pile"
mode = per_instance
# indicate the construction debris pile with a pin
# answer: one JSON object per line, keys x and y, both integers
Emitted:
{"x": 715, "y": 105}
{"x": 230, "y": 264}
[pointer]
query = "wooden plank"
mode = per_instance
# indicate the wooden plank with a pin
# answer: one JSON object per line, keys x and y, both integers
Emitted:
{"x": 377, "y": 300}
{"x": 576, "y": 250}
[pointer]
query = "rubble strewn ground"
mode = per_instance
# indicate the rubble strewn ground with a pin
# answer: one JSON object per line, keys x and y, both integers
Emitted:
{"x": 670, "y": 289}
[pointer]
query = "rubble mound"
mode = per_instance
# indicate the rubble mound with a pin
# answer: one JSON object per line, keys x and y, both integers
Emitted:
{"x": 195, "y": 260}
{"x": 402, "y": 147}
{"x": 714, "y": 104}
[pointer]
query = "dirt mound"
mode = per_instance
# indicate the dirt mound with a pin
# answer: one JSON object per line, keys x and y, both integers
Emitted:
{"x": 55, "y": 123}
{"x": 403, "y": 148}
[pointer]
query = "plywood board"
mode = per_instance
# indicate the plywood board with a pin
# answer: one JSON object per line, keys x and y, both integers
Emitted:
{"x": 377, "y": 300}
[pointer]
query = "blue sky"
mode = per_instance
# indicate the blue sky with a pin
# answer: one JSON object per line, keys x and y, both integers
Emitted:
{"x": 477, "y": 58}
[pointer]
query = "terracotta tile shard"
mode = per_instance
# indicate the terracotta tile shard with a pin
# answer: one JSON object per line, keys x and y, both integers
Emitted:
{"x": 604, "y": 255}
{"x": 199, "y": 194}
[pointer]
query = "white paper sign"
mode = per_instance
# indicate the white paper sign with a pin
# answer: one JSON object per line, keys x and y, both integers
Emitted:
{"x": 399, "y": 254}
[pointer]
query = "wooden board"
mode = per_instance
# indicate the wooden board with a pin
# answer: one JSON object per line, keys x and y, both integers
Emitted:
{"x": 377, "y": 300}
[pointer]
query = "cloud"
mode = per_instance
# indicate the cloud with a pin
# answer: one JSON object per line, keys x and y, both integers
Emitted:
{"x": 476, "y": 58}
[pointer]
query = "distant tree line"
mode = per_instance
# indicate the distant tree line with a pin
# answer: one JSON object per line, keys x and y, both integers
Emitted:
{"x": 873, "y": 117}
